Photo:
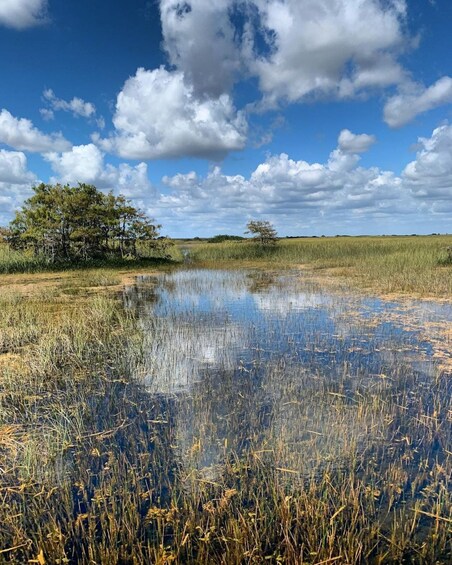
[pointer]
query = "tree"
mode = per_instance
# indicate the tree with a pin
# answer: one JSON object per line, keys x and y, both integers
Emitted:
{"x": 262, "y": 231}
{"x": 65, "y": 223}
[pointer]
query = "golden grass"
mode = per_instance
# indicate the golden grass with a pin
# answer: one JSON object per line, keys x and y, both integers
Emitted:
{"x": 389, "y": 265}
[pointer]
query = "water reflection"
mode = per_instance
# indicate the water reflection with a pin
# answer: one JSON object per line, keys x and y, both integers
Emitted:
{"x": 268, "y": 362}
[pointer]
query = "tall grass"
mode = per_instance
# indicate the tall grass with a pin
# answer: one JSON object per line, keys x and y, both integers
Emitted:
{"x": 387, "y": 264}
{"x": 12, "y": 261}
{"x": 18, "y": 261}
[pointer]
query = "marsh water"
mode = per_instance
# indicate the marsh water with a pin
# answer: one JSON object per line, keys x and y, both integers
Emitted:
{"x": 273, "y": 363}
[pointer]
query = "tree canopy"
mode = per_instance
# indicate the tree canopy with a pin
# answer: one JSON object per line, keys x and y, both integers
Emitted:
{"x": 70, "y": 223}
{"x": 262, "y": 231}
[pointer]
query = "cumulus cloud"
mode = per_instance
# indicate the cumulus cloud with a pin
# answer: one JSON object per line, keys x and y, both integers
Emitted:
{"x": 199, "y": 38}
{"x": 416, "y": 99}
{"x": 21, "y": 14}
{"x": 296, "y": 48}
{"x": 328, "y": 47}
{"x": 352, "y": 143}
{"x": 158, "y": 115}
{"x": 289, "y": 192}
{"x": 85, "y": 164}
{"x": 15, "y": 182}
{"x": 429, "y": 176}
{"x": 12, "y": 197}
{"x": 13, "y": 168}
{"x": 21, "y": 134}
{"x": 77, "y": 106}
{"x": 335, "y": 196}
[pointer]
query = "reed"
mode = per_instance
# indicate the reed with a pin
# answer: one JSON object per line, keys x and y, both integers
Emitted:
{"x": 20, "y": 262}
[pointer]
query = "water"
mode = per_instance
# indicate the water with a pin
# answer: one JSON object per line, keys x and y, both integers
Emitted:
{"x": 268, "y": 362}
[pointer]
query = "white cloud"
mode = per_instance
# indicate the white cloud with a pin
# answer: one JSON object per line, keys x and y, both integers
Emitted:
{"x": 328, "y": 47}
{"x": 15, "y": 182}
{"x": 85, "y": 164}
{"x": 296, "y": 48}
{"x": 47, "y": 114}
{"x": 199, "y": 39}
{"x": 353, "y": 143}
{"x": 429, "y": 176}
{"x": 77, "y": 106}
{"x": 12, "y": 197}
{"x": 158, "y": 115}
{"x": 294, "y": 194}
{"x": 416, "y": 99}
{"x": 21, "y": 134}
{"x": 20, "y": 14}
{"x": 13, "y": 168}
{"x": 335, "y": 196}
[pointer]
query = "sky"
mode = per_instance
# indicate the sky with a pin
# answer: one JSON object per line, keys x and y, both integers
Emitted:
{"x": 323, "y": 117}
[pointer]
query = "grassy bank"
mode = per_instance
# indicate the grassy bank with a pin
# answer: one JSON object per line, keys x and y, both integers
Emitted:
{"x": 411, "y": 265}
{"x": 12, "y": 261}
{"x": 415, "y": 265}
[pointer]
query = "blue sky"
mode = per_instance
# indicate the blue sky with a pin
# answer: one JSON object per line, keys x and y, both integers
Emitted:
{"x": 322, "y": 116}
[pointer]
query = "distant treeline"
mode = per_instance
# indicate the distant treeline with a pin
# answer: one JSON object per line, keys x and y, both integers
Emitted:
{"x": 224, "y": 237}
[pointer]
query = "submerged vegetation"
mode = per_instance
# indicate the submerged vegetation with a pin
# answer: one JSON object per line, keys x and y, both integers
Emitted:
{"x": 140, "y": 434}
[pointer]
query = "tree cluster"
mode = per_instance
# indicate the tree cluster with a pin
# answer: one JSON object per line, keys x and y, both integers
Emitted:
{"x": 65, "y": 223}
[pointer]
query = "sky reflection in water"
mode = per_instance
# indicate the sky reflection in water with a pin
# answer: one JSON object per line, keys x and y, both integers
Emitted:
{"x": 258, "y": 358}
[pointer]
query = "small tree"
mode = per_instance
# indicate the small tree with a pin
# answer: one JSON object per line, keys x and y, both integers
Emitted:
{"x": 262, "y": 231}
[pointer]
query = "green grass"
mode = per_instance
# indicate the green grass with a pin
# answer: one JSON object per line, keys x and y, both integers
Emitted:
{"x": 12, "y": 261}
{"x": 416, "y": 265}
{"x": 20, "y": 262}
{"x": 387, "y": 264}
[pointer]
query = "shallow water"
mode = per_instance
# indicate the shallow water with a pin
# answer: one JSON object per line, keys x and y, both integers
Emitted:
{"x": 256, "y": 360}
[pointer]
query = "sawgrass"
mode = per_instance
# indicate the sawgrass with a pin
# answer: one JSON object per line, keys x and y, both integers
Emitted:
{"x": 416, "y": 264}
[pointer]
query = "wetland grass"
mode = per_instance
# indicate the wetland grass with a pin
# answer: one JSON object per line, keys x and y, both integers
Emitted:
{"x": 14, "y": 261}
{"x": 337, "y": 450}
{"x": 412, "y": 265}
